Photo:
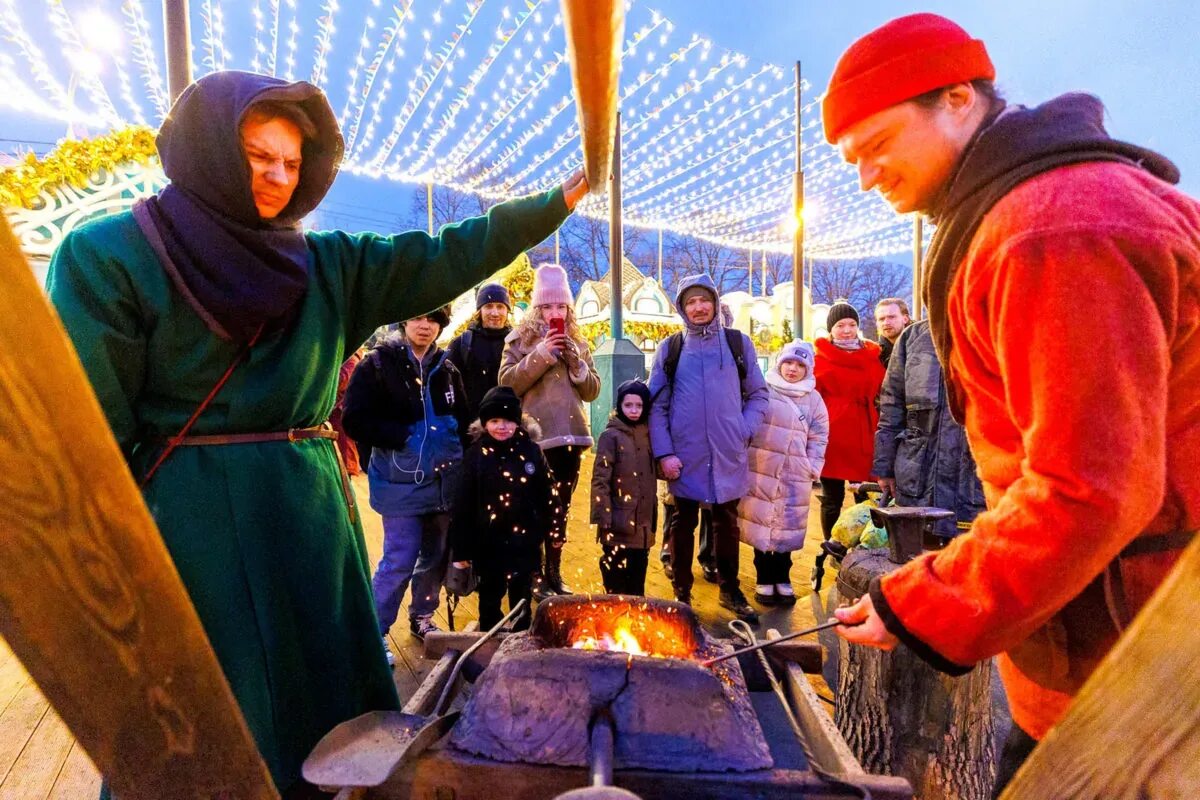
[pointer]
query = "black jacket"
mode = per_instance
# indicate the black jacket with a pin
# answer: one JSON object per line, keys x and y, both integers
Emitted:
{"x": 383, "y": 402}
{"x": 504, "y": 507}
{"x": 477, "y": 352}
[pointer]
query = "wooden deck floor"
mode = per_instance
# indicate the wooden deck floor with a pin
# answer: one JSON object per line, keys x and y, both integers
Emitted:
{"x": 39, "y": 759}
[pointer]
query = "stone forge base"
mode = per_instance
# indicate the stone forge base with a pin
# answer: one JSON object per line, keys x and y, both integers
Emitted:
{"x": 534, "y": 705}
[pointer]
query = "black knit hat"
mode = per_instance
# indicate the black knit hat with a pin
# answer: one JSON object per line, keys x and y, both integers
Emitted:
{"x": 492, "y": 293}
{"x": 439, "y": 315}
{"x": 641, "y": 390}
{"x": 500, "y": 402}
{"x": 839, "y": 311}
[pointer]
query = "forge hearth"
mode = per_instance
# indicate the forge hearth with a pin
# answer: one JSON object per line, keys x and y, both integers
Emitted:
{"x": 639, "y": 659}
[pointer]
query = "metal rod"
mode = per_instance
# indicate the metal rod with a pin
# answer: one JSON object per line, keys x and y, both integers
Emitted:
{"x": 600, "y": 743}
{"x": 798, "y": 211}
{"x": 557, "y": 260}
{"x": 616, "y": 245}
{"x": 444, "y": 698}
{"x": 833, "y": 623}
{"x": 179, "y": 46}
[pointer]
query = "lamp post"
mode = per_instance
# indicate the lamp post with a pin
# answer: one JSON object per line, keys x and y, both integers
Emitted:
{"x": 798, "y": 210}
{"x": 179, "y": 46}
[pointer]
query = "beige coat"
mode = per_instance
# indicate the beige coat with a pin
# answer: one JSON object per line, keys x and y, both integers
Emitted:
{"x": 548, "y": 393}
{"x": 786, "y": 456}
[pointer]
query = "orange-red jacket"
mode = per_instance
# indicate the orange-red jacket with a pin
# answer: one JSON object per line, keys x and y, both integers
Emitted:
{"x": 848, "y": 381}
{"x": 1076, "y": 325}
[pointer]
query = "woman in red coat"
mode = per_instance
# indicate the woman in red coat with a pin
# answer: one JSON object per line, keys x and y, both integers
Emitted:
{"x": 849, "y": 374}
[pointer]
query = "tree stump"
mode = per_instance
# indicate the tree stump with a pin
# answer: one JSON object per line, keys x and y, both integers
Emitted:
{"x": 902, "y": 717}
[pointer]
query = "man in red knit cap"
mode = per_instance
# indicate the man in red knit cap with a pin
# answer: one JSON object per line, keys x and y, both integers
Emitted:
{"x": 1087, "y": 438}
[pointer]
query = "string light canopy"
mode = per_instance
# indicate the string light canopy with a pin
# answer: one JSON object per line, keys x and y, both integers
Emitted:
{"x": 476, "y": 95}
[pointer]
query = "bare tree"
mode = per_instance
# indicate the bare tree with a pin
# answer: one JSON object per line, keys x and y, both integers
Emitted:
{"x": 861, "y": 282}
{"x": 449, "y": 206}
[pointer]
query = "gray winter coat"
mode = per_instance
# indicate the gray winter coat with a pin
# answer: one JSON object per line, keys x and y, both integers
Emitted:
{"x": 708, "y": 417}
{"x": 918, "y": 442}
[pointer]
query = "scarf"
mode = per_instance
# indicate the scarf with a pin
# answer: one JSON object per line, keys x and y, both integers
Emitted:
{"x": 237, "y": 271}
{"x": 793, "y": 390}
{"x": 1012, "y": 146}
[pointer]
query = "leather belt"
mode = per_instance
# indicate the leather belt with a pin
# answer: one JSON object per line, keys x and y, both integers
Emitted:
{"x": 323, "y": 431}
{"x": 1158, "y": 543}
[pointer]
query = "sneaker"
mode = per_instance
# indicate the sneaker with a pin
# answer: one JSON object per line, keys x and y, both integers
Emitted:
{"x": 764, "y": 593}
{"x": 387, "y": 653}
{"x": 736, "y": 602}
{"x": 785, "y": 594}
{"x": 668, "y": 570}
{"x": 683, "y": 597}
{"x": 420, "y": 626}
{"x": 710, "y": 573}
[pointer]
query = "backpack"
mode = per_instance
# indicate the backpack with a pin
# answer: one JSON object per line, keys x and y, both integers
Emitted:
{"x": 675, "y": 346}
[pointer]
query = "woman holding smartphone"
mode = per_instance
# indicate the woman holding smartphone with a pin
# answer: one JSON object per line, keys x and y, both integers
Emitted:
{"x": 548, "y": 363}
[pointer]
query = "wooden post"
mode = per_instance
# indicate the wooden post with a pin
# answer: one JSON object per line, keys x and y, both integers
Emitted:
{"x": 902, "y": 717}
{"x": 178, "y": 34}
{"x": 429, "y": 205}
{"x": 918, "y": 277}
{"x": 594, "y": 31}
{"x": 90, "y": 600}
{"x": 1131, "y": 732}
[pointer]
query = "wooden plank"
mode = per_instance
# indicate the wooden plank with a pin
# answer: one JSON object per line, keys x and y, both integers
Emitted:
{"x": 17, "y": 724}
{"x": 1133, "y": 731}
{"x": 426, "y": 696}
{"x": 594, "y": 31}
{"x": 12, "y": 677}
{"x": 149, "y": 701}
{"x": 79, "y": 778}
{"x": 35, "y": 771}
{"x": 452, "y": 774}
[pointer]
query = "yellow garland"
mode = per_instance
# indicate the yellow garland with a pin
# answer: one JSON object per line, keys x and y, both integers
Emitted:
{"x": 73, "y": 162}
{"x": 517, "y": 277}
{"x": 635, "y": 330}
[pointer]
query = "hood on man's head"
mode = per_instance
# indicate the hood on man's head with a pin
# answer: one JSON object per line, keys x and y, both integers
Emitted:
{"x": 200, "y": 144}
{"x": 693, "y": 283}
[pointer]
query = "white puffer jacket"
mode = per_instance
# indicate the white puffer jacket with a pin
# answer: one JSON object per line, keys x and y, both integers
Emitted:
{"x": 786, "y": 456}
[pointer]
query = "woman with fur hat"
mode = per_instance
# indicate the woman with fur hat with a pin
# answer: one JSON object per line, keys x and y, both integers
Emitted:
{"x": 849, "y": 374}
{"x": 477, "y": 350}
{"x": 787, "y": 454}
{"x": 406, "y": 401}
{"x": 548, "y": 363}
{"x": 207, "y": 317}
{"x": 505, "y": 506}
{"x": 624, "y": 500}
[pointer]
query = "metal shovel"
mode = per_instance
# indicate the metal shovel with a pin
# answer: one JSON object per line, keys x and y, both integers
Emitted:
{"x": 366, "y": 750}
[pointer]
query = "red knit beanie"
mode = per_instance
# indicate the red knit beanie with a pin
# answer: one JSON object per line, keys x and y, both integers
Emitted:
{"x": 899, "y": 61}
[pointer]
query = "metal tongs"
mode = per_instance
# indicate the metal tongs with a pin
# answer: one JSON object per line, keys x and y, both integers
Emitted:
{"x": 745, "y": 632}
{"x": 757, "y": 645}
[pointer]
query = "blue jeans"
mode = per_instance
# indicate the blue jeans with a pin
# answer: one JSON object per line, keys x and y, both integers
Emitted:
{"x": 414, "y": 549}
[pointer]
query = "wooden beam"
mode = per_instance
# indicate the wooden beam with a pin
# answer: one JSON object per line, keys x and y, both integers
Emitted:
{"x": 1134, "y": 729}
{"x": 90, "y": 601}
{"x": 594, "y": 32}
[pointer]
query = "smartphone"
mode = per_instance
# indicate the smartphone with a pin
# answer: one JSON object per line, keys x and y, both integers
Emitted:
{"x": 558, "y": 326}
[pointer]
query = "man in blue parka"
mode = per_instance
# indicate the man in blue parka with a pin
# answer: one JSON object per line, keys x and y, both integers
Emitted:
{"x": 708, "y": 398}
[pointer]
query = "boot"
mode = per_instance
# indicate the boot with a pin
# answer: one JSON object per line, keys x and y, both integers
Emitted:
{"x": 553, "y": 573}
{"x": 541, "y": 587}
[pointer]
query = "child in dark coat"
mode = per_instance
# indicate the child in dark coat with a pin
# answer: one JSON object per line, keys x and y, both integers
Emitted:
{"x": 504, "y": 509}
{"x": 624, "y": 492}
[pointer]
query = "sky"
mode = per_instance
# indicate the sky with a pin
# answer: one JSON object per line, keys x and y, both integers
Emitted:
{"x": 1141, "y": 59}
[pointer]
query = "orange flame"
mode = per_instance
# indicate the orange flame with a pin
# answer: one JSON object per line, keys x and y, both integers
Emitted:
{"x": 622, "y": 629}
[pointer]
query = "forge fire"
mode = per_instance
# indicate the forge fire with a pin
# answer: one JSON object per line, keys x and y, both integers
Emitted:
{"x": 635, "y": 659}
